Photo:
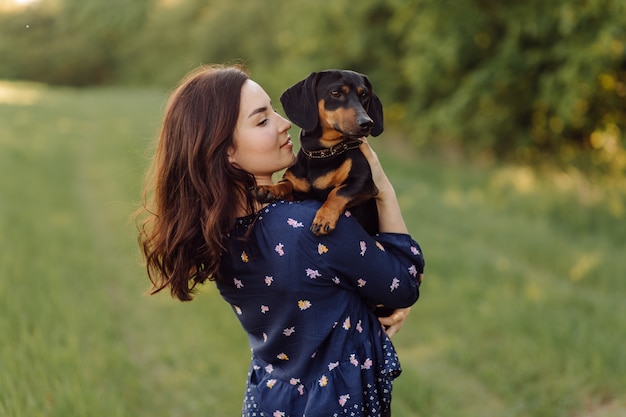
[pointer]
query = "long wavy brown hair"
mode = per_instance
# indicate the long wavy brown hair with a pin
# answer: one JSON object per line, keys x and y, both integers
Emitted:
{"x": 193, "y": 194}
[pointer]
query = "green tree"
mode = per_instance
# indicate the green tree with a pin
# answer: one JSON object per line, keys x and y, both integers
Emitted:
{"x": 73, "y": 42}
{"x": 517, "y": 79}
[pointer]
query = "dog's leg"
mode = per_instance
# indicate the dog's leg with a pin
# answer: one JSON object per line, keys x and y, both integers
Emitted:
{"x": 282, "y": 190}
{"x": 326, "y": 217}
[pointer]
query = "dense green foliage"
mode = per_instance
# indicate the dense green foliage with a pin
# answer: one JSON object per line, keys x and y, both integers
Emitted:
{"x": 521, "y": 313}
{"x": 527, "y": 79}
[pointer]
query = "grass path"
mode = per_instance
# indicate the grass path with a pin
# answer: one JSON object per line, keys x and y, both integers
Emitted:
{"x": 522, "y": 310}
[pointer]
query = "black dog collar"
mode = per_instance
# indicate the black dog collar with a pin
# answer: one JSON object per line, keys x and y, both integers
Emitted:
{"x": 333, "y": 150}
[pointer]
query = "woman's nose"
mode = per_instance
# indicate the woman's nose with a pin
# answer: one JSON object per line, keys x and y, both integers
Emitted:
{"x": 287, "y": 124}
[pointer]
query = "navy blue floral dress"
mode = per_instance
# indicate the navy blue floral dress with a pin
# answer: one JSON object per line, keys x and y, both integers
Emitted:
{"x": 304, "y": 300}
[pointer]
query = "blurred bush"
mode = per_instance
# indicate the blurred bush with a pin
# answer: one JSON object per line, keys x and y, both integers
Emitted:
{"x": 529, "y": 80}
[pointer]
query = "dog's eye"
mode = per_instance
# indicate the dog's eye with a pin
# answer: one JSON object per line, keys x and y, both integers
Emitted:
{"x": 335, "y": 93}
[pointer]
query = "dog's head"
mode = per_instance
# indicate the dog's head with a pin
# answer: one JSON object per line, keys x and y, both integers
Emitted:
{"x": 335, "y": 99}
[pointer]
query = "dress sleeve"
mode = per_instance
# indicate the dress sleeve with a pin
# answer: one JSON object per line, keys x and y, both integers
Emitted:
{"x": 384, "y": 269}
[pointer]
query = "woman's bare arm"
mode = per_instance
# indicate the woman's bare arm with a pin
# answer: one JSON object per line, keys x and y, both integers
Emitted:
{"x": 390, "y": 221}
{"x": 389, "y": 214}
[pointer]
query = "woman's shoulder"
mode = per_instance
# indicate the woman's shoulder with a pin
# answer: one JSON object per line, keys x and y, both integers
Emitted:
{"x": 292, "y": 213}
{"x": 305, "y": 208}
{"x": 300, "y": 214}
{"x": 283, "y": 216}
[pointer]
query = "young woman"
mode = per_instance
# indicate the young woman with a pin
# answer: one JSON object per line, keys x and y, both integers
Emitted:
{"x": 304, "y": 300}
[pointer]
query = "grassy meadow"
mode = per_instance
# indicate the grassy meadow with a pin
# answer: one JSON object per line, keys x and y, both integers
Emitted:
{"x": 522, "y": 310}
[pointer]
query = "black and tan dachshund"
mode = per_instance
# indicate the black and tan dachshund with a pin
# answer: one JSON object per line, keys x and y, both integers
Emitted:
{"x": 334, "y": 109}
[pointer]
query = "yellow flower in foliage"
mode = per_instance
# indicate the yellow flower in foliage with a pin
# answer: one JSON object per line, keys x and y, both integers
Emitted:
{"x": 244, "y": 257}
{"x": 304, "y": 304}
{"x": 321, "y": 249}
{"x": 282, "y": 357}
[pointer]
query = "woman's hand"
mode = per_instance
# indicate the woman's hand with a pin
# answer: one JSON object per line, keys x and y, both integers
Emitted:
{"x": 393, "y": 323}
{"x": 380, "y": 178}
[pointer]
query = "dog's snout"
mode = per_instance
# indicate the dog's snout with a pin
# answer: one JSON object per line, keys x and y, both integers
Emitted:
{"x": 365, "y": 123}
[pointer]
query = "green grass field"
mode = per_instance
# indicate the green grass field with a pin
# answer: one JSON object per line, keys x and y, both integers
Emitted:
{"x": 522, "y": 310}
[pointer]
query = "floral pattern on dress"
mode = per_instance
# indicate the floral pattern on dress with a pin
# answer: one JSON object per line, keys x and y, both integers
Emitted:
{"x": 304, "y": 302}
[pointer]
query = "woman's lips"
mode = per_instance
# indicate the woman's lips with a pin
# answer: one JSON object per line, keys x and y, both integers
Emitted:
{"x": 289, "y": 143}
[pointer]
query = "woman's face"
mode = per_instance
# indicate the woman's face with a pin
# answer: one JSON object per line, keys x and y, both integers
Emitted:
{"x": 262, "y": 145}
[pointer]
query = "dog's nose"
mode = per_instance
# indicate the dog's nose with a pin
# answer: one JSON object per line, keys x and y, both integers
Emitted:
{"x": 366, "y": 123}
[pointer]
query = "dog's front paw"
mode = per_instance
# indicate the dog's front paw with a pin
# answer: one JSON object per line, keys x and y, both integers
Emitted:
{"x": 327, "y": 216}
{"x": 323, "y": 225}
{"x": 263, "y": 194}
{"x": 269, "y": 193}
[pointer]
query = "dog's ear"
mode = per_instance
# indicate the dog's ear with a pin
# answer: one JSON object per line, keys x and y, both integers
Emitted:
{"x": 300, "y": 103}
{"x": 375, "y": 110}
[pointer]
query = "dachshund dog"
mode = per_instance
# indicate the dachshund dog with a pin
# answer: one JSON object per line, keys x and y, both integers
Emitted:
{"x": 334, "y": 109}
